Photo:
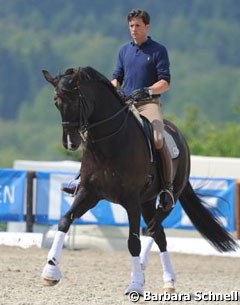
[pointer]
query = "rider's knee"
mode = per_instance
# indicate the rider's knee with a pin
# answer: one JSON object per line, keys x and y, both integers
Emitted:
{"x": 158, "y": 133}
{"x": 158, "y": 141}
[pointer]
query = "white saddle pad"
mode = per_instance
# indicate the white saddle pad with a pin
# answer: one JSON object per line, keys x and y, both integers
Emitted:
{"x": 172, "y": 147}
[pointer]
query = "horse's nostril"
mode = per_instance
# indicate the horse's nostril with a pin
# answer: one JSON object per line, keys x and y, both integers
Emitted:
{"x": 72, "y": 146}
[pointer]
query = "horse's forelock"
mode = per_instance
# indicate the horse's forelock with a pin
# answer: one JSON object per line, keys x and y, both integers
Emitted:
{"x": 69, "y": 71}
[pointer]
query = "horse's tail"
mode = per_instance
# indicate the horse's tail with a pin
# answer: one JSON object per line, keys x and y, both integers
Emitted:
{"x": 205, "y": 222}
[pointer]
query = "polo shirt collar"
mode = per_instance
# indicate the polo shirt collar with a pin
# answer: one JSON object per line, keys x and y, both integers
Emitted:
{"x": 148, "y": 41}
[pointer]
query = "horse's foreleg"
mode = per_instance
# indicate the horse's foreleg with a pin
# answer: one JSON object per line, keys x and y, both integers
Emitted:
{"x": 148, "y": 212}
{"x": 134, "y": 246}
{"x": 51, "y": 273}
{"x": 82, "y": 203}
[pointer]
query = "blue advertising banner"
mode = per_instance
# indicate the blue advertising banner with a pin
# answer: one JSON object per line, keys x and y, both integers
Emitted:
{"x": 12, "y": 192}
{"x": 52, "y": 203}
{"x": 217, "y": 193}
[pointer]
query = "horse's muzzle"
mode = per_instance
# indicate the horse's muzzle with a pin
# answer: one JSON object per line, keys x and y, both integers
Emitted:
{"x": 70, "y": 146}
{"x": 71, "y": 141}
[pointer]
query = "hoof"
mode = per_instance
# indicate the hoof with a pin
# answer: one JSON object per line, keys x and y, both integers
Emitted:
{"x": 136, "y": 287}
{"x": 51, "y": 275}
{"x": 169, "y": 287}
{"x": 49, "y": 283}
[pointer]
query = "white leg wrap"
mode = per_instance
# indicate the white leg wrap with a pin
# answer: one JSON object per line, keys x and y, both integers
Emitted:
{"x": 168, "y": 272}
{"x": 55, "y": 252}
{"x": 51, "y": 273}
{"x": 137, "y": 277}
{"x": 146, "y": 246}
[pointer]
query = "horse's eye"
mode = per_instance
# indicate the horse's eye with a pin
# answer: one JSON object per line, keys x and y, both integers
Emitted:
{"x": 68, "y": 93}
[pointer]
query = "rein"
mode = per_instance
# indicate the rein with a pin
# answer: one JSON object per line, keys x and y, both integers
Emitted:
{"x": 85, "y": 128}
{"x": 106, "y": 120}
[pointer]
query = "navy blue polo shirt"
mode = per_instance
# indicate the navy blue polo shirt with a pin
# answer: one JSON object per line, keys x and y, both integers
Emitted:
{"x": 141, "y": 66}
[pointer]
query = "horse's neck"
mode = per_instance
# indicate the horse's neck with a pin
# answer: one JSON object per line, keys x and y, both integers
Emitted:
{"x": 108, "y": 117}
{"x": 105, "y": 106}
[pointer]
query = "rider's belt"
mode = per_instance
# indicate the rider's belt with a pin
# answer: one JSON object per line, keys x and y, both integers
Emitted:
{"x": 152, "y": 100}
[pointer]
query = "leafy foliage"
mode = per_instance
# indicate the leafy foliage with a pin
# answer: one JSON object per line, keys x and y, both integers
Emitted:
{"x": 202, "y": 39}
{"x": 208, "y": 139}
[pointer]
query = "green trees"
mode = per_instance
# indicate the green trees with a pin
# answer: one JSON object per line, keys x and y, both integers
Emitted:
{"x": 202, "y": 39}
{"x": 207, "y": 138}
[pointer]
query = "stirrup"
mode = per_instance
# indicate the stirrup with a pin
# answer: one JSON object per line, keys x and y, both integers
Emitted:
{"x": 163, "y": 205}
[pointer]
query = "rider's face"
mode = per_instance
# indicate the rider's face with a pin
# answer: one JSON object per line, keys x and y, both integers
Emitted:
{"x": 138, "y": 30}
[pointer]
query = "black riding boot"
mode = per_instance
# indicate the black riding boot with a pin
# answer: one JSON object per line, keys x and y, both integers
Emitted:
{"x": 165, "y": 169}
{"x": 72, "y": 189}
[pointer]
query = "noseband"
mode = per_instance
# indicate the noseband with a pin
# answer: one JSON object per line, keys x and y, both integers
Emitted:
{"x": 70, "y": 124}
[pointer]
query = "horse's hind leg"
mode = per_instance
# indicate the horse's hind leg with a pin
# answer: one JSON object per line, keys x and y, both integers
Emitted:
{"x": 82, "y": 203}
{"x": 155, "y": 232}
{"x": 134, "y": 246}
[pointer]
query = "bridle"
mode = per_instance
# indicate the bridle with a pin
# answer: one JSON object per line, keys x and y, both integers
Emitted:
{"x": 85, "y": 127}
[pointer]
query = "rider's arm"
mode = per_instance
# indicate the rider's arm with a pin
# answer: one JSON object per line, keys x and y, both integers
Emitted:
{"x": 159, "y": 87}
{"x": 115, "y": 83}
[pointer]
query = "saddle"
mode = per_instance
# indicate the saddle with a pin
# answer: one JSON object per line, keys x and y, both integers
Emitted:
{"x": 147, "y": 129}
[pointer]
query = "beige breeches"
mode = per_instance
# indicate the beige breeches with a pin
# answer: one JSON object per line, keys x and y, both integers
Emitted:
{"x": 152, "y": 111}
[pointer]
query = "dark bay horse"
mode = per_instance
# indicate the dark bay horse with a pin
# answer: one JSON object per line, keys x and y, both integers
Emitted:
{"x": 116, "y": 165}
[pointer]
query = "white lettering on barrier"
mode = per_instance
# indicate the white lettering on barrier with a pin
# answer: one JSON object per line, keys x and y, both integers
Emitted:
{"x": 212, "y": 202}
{"x": 205, "y": 184}
{"x": 88, "y": 216}
{"x": 56, "y": 182}
{"x": 55, "y": 195}
{"x": 7, "y": 194}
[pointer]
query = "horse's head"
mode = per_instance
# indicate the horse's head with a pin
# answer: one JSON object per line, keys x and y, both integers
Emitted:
{"x": 77, "y": 96}
{"x": 70, "y": 102}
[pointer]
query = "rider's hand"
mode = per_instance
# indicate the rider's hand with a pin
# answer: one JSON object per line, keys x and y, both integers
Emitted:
{"x": 121, "y": 93}
{"x": 141, "y": 94}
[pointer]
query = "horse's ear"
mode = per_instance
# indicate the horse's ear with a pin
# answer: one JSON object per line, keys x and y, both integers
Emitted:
{"x": 49, "y": 78}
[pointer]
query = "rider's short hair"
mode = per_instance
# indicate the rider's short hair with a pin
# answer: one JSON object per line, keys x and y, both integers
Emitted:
{"x": 137, "y": 13}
